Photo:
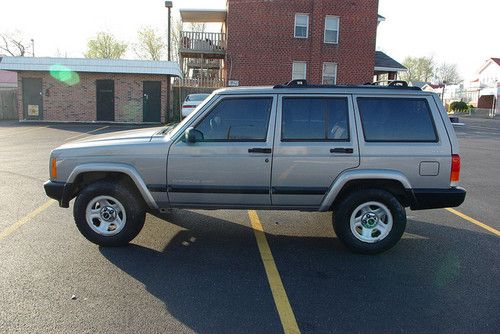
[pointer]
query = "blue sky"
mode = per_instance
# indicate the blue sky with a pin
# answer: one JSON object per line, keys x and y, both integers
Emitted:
{"x": 461, "y": 32}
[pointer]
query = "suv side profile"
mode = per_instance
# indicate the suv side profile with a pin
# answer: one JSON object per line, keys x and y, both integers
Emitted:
{"x": 363, "y": 152}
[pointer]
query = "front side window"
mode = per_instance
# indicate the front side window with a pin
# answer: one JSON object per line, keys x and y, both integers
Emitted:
{"x": 396, "y": 119}
{"x": 301, "y": 26}
{"x": 329, "y": 74}
{"x": 299, "y": 70}
{"x": 314, "y": 119}
{"x": 332, "y": 29}
{"x": 237, "y": 119}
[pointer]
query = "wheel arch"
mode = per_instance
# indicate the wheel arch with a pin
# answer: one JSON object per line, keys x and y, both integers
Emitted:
{"x": 392, "y": 181}
{"x": 88, "y": 173}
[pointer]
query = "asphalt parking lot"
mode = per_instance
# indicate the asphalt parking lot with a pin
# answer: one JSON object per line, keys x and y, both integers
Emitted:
{"x": 202, "y": 271}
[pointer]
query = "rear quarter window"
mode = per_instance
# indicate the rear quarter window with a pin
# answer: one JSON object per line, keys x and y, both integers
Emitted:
{"x": 387, "y": 119}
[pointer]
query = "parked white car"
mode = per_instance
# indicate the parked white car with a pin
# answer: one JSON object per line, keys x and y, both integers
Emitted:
{"x": 191, "y": 102}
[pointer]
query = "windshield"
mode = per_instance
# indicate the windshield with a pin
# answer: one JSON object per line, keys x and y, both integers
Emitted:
{"x": 174, "y": 130}
{"x": 197, "y": 97}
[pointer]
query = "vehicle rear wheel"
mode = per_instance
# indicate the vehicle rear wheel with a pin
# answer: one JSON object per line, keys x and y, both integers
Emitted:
{"x": 108, "y": 213}
{"x": 369, "y": 221}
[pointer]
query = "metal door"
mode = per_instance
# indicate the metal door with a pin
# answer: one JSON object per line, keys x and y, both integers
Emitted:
{"x": 151, "y": 102}
{"x": 311, "y": 148}
{"x": 226, "y": 173}
{"x": 32, "y": 98}
{"x": 105, "y": 100}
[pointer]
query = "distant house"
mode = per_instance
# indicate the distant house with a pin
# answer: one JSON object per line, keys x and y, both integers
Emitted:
{"x": 90, "y": 90}
{"x": 385, "y": 65}
{"x": 485, "y": 88}
{"x": 434, "y": 88}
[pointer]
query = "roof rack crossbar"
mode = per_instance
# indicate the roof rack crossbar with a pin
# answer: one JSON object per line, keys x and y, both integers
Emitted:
{"x": 391, "y": 84}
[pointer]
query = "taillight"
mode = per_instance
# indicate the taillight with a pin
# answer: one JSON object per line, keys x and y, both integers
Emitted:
{"x": 189, "y": 106}
{"x": 455, "y": 169}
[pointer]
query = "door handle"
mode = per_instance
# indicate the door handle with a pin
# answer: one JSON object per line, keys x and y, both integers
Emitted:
{"x": 341, "y": 150}
{"x": 259, "y": 150}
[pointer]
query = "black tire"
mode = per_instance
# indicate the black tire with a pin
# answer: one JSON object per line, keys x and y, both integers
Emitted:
{"x": 128, "y": 198}
{"x": 342, "y": 224}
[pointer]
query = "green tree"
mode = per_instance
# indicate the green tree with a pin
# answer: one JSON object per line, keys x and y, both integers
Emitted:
{"x": 105, "y": 46}
{"x": 151, "y": 45}
{"x": 419, "y": 69}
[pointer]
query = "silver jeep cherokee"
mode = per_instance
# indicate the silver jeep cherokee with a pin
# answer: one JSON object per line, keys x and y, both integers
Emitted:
{"x": 363, "y": 152}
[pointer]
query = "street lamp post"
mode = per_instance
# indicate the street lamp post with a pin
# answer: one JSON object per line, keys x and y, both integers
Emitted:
{"x": 168, "y": 5}
{"x": 32, "y": 47}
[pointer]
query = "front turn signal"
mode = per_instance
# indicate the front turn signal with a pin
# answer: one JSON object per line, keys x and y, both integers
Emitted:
{"x": 53, "y": 168}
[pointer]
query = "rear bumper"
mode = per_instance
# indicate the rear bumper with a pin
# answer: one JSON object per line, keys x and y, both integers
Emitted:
{"x": 60, "y": 191}
{"x": 422, "y": 199}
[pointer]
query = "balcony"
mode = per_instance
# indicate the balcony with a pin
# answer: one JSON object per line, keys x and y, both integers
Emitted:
{"x": 208, "y": 45}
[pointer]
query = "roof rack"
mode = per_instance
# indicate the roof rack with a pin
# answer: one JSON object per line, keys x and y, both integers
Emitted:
{"x": 391, "y": 84}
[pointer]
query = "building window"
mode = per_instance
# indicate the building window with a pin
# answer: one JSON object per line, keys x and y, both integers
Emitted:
{"x": 301, "y": 26}
{"x": 299, "y": 70}
{"x": 332, "y": 29}
{"x": 329, "y": 74}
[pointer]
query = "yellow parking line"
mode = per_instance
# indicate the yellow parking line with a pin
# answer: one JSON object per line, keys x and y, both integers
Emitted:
{"x": 85, "y": 133}
{"x": 12, "y": 228}
{"x": 278, "y": 290}
{"x": 475, "y": 222}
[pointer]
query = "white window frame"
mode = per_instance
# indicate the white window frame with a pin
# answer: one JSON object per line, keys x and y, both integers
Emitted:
{"x": 338, "y": 28}
{"x": 323, "y": 74}
{"x": 305, "y": 69}
{"x": 295, "y": 25}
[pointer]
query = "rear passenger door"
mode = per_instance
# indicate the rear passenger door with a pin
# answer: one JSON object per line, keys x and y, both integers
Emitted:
{"x": 315, "y": 141}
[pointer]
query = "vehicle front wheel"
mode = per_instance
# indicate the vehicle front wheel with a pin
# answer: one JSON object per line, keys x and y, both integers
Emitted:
{"x": 108, "y": 213}
{"x": 369, "y": 221}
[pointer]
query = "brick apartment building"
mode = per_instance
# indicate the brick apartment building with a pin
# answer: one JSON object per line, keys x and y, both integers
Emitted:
{"x": 269, "y": 42}
{"x": 88, "y": 90}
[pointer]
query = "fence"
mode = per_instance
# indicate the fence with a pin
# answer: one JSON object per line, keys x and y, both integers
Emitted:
{"x": 8, "y": 105}
{"x": 478, "y": 113}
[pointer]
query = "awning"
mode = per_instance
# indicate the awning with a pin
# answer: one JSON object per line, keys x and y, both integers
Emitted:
{"x": 46, "y": 64}
{"x": 384, "y": 63}
{"x": 203, "y": 15}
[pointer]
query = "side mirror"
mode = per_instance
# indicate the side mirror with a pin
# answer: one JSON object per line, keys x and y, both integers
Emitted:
{"x": 191, "y": 136}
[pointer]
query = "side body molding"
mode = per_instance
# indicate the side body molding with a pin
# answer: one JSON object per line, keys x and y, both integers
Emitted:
{"x": 360, "y": 174}
{"x": 119, "y": 168}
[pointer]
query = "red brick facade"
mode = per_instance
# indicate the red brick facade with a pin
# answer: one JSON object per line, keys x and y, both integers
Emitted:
{"x": 261, "y": 45}
{"x": 62, "y": 102}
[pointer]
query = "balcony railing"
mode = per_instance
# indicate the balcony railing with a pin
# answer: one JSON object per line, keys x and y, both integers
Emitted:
{"x": 199, "y": 82}
{"x": 202, "y": 42}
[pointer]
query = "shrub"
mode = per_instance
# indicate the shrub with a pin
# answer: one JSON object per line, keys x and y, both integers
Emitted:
{"x": 459, "y": 106}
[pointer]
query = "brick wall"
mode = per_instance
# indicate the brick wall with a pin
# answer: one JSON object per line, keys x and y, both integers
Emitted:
{"x": 62, "y": 102}
{"x": 262, "y": 47}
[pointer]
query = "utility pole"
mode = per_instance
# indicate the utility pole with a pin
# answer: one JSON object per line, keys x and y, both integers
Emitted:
{"x": 168, "y": 5}
{"x": 33, "y": 47}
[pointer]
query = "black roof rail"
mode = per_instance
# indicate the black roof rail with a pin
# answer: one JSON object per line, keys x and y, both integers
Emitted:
{"x": 391, "y": 84}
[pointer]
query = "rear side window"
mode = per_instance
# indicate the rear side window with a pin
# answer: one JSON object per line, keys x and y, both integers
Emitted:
{"x": 237, "y": 119}
{"x": 314, "y": 119}
{"x": 396, "y": 120}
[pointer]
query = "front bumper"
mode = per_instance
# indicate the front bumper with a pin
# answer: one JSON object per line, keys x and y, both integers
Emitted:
{"x": 423, "y": 199}
{"x": 60, "y": 191}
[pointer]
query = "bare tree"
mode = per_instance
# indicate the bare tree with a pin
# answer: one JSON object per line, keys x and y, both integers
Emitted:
{"x": 105, "y": 46}
{"x": 447, "y": 74}
{"x": 14, "y": 44}
{"x": 151, "y": 45}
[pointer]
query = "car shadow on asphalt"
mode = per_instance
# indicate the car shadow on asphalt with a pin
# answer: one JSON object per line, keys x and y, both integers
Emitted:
{"x": 210, "y": 277}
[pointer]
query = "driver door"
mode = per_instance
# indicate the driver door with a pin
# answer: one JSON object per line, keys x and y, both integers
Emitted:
{"x": 231, "y": 166}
